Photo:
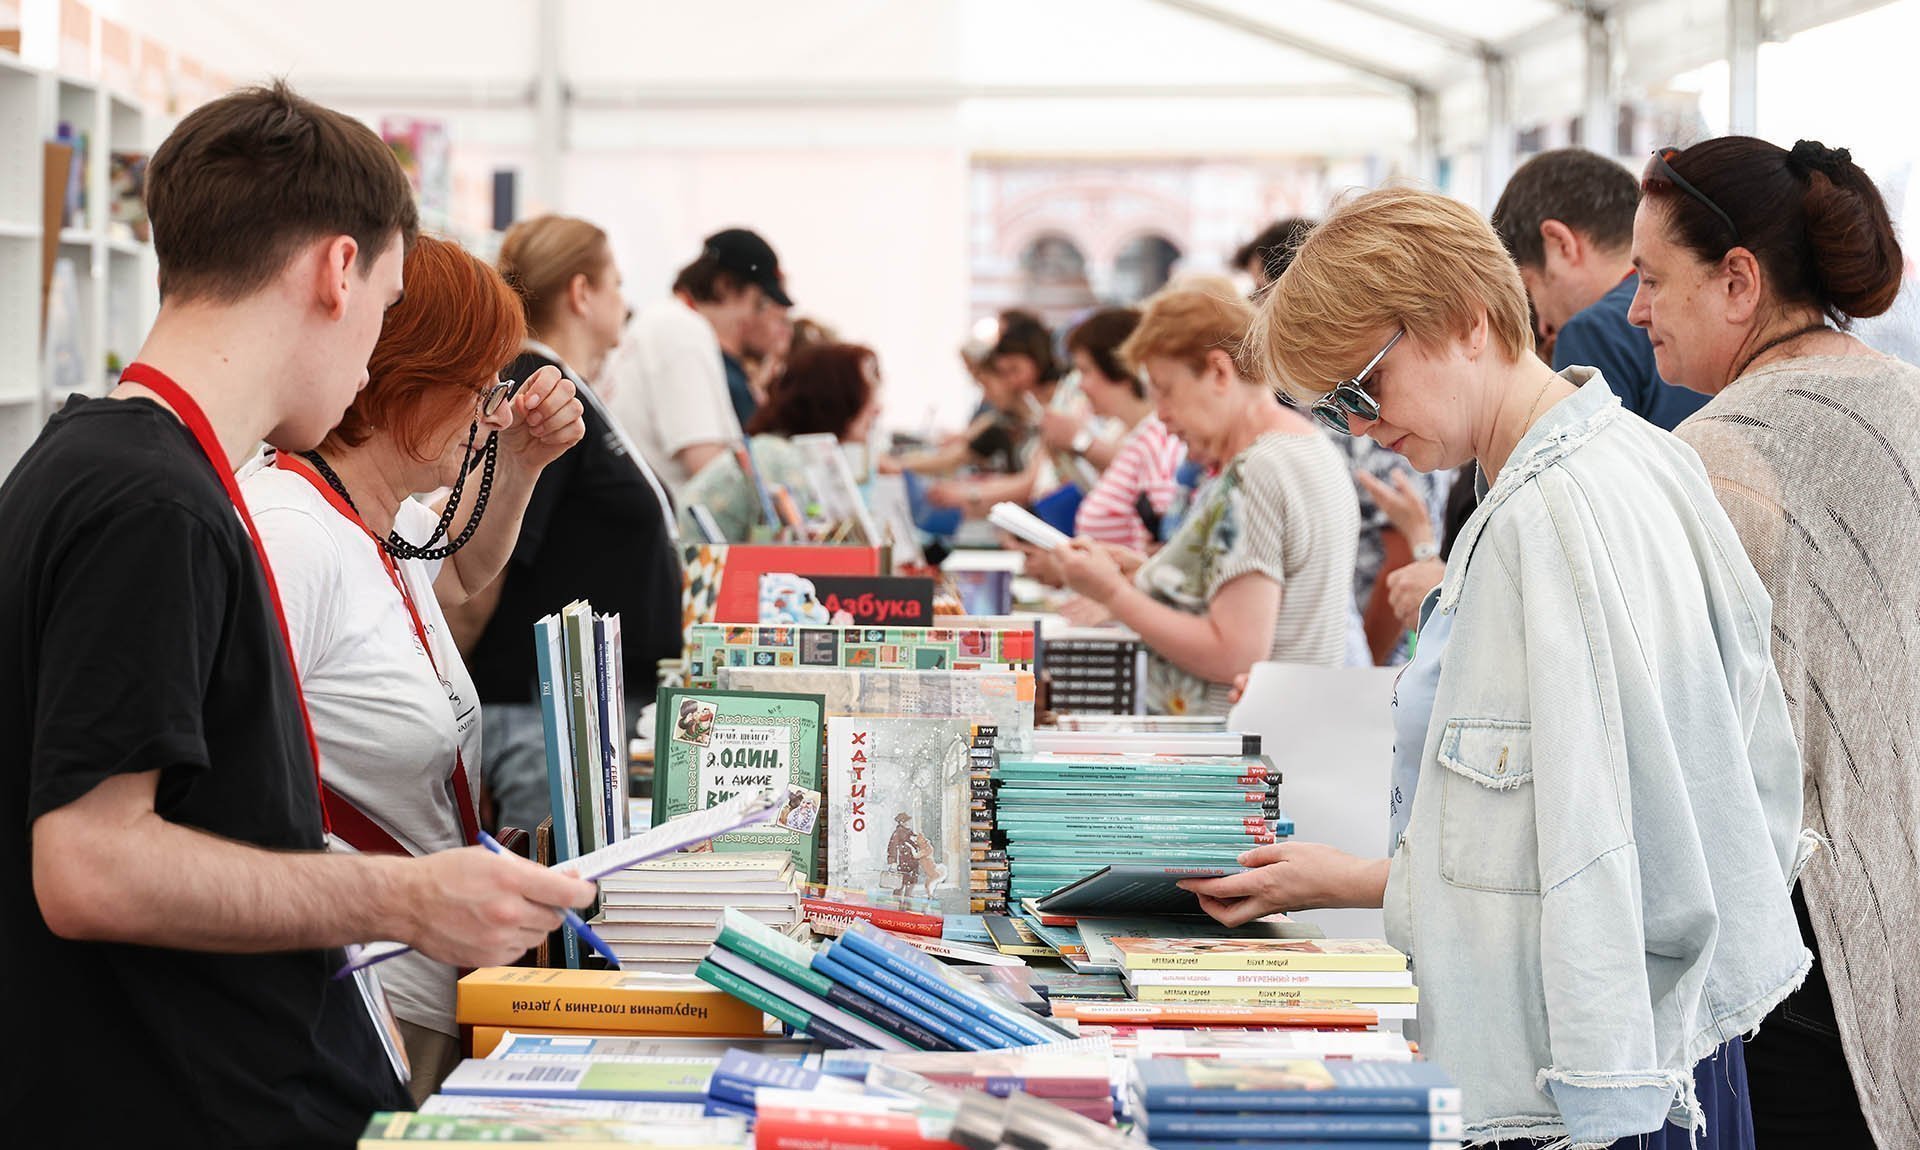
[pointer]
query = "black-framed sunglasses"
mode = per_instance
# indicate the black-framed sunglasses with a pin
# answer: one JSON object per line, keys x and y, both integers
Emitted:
{"x": 1659, "y": 169}
{"x": 1349, "y": 397}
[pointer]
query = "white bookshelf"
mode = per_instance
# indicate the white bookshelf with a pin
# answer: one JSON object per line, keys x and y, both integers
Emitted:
{"x": 20, "y": 371}
{"x": 115, "y": 276}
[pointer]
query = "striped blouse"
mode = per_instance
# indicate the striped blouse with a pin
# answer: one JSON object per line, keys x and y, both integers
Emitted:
{"x": 1145, "y": 465}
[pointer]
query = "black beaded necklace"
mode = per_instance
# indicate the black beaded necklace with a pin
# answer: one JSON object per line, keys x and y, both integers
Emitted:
{"x": 401, "y": 549}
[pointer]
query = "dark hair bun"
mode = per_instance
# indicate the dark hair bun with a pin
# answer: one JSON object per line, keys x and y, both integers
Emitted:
{"x": 1855, "y": 259}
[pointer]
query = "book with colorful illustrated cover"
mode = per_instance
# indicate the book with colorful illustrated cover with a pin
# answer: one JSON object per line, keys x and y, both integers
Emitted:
{"x": 1295, "y": 1085}
{"x": 839, "y": 909}
{"x": 897, "y": 806}
{"x": 407, "y": 1129}
{"x": 653, "y": 1080}
{"x": 720, "y": 582}
{"x": 958, "y": 644}
{"x": 1258, "y": 954}
{"x": 1002, "y": 698}
{"x": 710, "y": 746}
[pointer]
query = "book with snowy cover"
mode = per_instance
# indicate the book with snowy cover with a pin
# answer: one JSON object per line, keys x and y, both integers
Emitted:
{"x": 1001, "y": 698}
{"x": 710, "y": 746}
{"x": 897, "y": 806}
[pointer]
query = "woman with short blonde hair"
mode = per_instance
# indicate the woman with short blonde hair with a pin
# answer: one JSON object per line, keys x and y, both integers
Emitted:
{"x": 1262, "y": 568}
{"x": 1595, "y": 806}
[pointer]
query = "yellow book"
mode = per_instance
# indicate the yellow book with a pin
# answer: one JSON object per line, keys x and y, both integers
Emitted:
{"x": 601, "y": 1001}
{"x": 1336, "y": 997}
{"x": 1258, "y": 954}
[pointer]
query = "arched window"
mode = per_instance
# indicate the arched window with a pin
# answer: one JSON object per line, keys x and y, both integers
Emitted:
{"x": 1143, "y": 267}
{"x": 1053, "y": 272}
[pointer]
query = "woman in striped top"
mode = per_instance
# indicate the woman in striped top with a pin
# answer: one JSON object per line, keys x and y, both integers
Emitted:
{"x": 1141, "y": 465}
{"x": 1262, "y": 568}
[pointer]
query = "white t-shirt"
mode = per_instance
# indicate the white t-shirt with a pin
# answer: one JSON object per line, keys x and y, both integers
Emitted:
{"x": 386, "y": 724}
{"x": 669, "y": 386}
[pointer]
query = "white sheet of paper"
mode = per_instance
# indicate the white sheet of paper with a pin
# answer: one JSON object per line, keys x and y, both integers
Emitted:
{"x": 1330, "y": 731}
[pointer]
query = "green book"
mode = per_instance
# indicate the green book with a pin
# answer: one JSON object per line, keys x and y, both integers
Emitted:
{"x": 764, "y": 946}
{"x": 753, "y": 995}
{"x": 710, "y": 746}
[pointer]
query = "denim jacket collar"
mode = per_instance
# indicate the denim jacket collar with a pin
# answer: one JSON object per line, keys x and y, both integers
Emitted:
{"x": 1564, "y": 426}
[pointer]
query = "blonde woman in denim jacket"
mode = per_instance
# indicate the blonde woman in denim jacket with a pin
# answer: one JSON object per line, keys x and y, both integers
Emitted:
{"x": 1596, "y": 802}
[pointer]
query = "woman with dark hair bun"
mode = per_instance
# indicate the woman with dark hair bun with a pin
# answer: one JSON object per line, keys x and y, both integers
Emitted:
{"x": 1754, "y": 260}
{"x": 828, "y": 388}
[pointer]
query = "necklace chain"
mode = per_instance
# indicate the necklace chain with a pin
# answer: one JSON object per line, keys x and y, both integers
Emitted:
{"x": 1776, "y": 342}
{"x": 1537, "y": 397}
{"x": 401, "y": 549}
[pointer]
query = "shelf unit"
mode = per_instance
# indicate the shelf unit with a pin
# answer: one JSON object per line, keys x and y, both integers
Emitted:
{"x": 115, "y": 276}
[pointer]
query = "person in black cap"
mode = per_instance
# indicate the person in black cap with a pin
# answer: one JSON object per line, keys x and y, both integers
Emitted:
{"x": 669, "y": 375}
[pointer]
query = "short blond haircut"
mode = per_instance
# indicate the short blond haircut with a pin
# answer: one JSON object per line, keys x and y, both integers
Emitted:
{"x": 1186, "y": 323}
{"x": 1396, "y": 257}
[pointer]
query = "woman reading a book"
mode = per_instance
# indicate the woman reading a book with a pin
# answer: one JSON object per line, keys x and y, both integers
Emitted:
{"x": 1262, "y": 568}
{"x": 362, "y": 568}
{"x": 827, "y": 389}
{"x": 1595, "y": 812}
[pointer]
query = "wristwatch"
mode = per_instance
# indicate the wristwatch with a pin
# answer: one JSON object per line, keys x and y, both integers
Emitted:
{"x": 1082, "y": 440}
{"x": 1425, "y": 551}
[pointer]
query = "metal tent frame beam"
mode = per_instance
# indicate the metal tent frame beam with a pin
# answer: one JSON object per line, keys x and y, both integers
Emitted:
{"x": 1407, "y": 82}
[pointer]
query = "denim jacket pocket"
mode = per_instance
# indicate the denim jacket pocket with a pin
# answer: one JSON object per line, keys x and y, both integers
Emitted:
{"x": 1487, "y": 836}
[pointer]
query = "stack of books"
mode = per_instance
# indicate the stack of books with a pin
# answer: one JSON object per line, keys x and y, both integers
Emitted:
{"x": 1095, "y": 671}
{"x": 663, "y": 915}
{"x": 1203, "y": 1104}
{"x": 989, "y": 871}
{"x": 1341, "y": 974}
{"x": 1081, "y": 1082}
{"x": 867, "y": 989}
{"x": 1062, "y": 817}
{"x": 587, "y": 1003}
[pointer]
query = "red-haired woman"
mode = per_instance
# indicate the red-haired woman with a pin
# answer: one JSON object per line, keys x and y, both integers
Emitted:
{"x": 359, "y": 562}
{"x": 829, "y": 388}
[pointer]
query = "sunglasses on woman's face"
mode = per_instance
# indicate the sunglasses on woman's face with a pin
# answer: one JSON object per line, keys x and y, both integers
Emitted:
{"x": 1349, "y": 399}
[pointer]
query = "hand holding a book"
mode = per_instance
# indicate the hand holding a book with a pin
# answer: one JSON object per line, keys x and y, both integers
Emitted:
{"x": 1291, "y": 876}
{"x": 1091, "y": 568}
{"x": 472, "y": 907}
{"x": 547, "y": 420}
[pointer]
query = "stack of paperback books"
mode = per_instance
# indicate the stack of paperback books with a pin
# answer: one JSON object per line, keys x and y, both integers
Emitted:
{"x": 1061, "y": 817}
{"x": 989, "y": 872}
{"x": 867, "y": 989}
{"x": 1203, "y": 1104}
{"x": 663, "y": 915}
{"x": 586, "y": 1003}
{"x": 1081, "y": 1082}
{"x": 1095, "y": 671}
{"x": 1343, "y": 974}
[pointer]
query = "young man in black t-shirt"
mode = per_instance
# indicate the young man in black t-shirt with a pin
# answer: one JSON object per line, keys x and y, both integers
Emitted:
{"x": 169, "y": 920}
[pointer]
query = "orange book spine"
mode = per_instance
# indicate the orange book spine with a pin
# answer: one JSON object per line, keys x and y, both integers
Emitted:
{"x": 601, "y": 1002}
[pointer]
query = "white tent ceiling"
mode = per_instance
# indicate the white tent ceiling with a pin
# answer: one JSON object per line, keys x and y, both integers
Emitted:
{"x": 1279, "y": 76}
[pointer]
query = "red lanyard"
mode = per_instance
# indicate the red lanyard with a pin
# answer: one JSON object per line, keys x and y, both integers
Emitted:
{"x": 196, "y": 420}
{"x": 462, "y": 792}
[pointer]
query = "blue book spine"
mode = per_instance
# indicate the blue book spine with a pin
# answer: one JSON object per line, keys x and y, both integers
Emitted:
{"x": 1359, "y": 1088}
{"x": 740, "y": 1074}
{"x": 931, "y": 1003}
{"x": 610, "y": 735}
{"x": 891, "y": 954}
{"x": 831, "y": 1036}
{"x": 1333, "y": 1127}
{"x": 860, "y": 1006}
{"x": 718, "y": 1108}
{"x": 824, "y": 963}
{"x": 552, "y": 720}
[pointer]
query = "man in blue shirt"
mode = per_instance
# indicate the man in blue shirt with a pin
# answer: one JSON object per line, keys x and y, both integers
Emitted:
{"x": 1567, "y": 217}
